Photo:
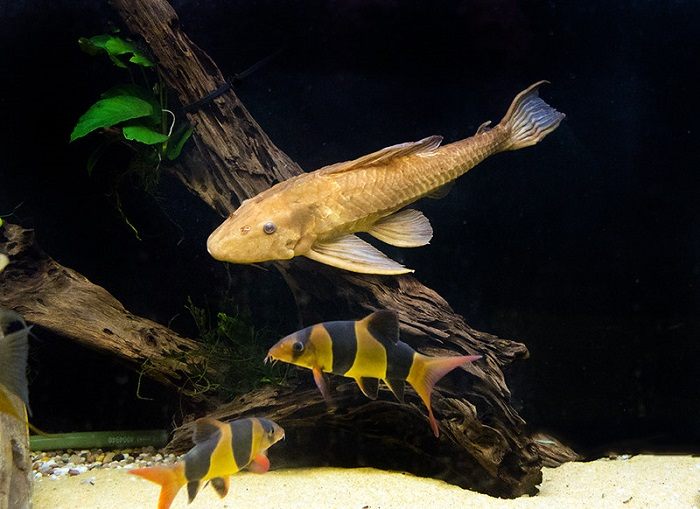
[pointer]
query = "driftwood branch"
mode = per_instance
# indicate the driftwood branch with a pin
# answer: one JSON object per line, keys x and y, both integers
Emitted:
{"x": 65, "y": 302}
{"x": 235, "y": 160}
{"x": 15, "y": 459}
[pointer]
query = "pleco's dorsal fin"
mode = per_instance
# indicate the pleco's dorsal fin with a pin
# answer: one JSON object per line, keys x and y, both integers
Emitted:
{"x": 386, "y": 155}
{"x": 408, "y": 228}
{"x": 204, "y": 428}
{"x": 351, "y": 253}
{"x": 383, "y": 325}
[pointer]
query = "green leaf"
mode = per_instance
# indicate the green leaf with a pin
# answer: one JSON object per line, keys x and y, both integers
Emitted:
{"x": 143, "y": 134}
{"x": 177, "y": 141}
{"x": 114, "y": 47}
{"x": 110, "y": 111}
{"x": 142, "y": 93}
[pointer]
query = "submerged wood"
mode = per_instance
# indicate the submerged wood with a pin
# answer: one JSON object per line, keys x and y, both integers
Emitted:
{"x": 483, "y": 443}
{"x": 63, "y": 301}
{"x": 15, "y": 460}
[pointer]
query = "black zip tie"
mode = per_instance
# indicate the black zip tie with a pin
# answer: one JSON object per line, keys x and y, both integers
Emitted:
{"x": 226, "y": 86}
{"x": 222, "y": 89}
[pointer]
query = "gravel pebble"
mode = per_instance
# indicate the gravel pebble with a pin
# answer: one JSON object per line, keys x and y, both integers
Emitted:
{"x": 57, "y": 464}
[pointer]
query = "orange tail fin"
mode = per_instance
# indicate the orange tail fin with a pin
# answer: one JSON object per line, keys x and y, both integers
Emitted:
{"x": 170, "y": 478}
{"x": 426, "y": 372}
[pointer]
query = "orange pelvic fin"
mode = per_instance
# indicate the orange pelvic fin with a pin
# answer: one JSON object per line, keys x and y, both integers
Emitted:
{"x": 260, "y": 464}
{"x": 322, "y": 385}
{"x": 426, "y": 374}
{"x": 170, "y": 478}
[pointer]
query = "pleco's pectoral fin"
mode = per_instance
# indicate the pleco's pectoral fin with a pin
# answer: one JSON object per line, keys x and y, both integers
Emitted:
{"x": 193, "y": 489}
{"x": 221, "y": 485}
{"x": 322, "y": 384}
{"x": 368, "y": 386}
{"x": 408, "y": 228}
{"x": 351, "y": 253}
{"x": 397, "y": 387}
{"x": 260, "y": 464}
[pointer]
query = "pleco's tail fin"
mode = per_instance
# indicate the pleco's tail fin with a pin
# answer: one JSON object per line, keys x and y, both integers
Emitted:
{"x": 426, "y": 372}
{"x": 170, "y": 478}
{"x": 529, "y": 119}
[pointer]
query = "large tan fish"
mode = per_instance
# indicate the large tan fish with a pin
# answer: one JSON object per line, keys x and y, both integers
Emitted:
{"x": 317, "y": 214}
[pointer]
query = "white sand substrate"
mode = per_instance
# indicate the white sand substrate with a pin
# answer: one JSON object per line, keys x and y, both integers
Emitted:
{"x": 639, "y": 482}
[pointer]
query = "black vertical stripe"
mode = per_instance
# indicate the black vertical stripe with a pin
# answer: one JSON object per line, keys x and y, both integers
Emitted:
{"x": 242, "y": 441}
{"x": 198, "y": 459}
{"x": 344, "y": 345}
{"x": 399, "y": 359}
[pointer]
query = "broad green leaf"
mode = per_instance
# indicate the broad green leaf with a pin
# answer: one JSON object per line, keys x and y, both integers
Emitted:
{"x": 114, "y": 47}
{"x": 177, "y": 141}
{"x": 143, "y": 134}
{"x": 141, "y": 59}
{"x": 144, "y": 93}
{"x": 110, "y": 111}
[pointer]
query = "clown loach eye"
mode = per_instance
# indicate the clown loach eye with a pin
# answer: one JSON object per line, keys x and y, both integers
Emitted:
{"x": 269, "y": 228}
{"x": 298, "y": 346}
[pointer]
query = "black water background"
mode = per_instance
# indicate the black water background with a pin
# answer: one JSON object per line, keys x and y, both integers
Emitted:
{"x": 586, "y": 247}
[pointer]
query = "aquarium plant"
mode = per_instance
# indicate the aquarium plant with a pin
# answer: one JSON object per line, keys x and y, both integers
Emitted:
{"x": 133, "y": 113}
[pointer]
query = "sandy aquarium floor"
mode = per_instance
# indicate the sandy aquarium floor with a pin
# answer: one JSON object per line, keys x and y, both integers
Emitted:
{"x": 641, "y": 481}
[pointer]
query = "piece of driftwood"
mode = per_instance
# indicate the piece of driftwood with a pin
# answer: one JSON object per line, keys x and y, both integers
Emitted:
{"x": 15, "y": 460}
{"x": 234, "y": 160}
{"x": 63, "y": 301}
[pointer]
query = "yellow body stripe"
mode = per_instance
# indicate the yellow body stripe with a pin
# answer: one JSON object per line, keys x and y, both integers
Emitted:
{"x": 256, "y": 442}
{"x": 370, "y": 359}
{"x": 323, "y": 347}
{"x": 222, "y": 461}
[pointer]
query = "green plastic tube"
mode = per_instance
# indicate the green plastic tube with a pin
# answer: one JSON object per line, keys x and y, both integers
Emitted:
{"x": 99, "y": 440}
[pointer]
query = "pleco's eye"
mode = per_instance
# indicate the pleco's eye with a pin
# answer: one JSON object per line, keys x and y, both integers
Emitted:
{"x": 269, "y": 228}
{"x": 298, "y": 346}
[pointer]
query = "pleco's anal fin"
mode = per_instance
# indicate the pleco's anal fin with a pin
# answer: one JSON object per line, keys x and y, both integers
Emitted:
{"x": 386, "y": 155}
{"x": 260, "y": 464}
{"x": 408, "y": 228}
{"x": 221, "y": 485}
{"x": 398, "y": 387}
{"x": 441, "y": 191}
{"x": 204, "y": 428}
{"x": 351, "y": 253}
{"x": 383, "y": 325}
{"x": 368, "y": 386}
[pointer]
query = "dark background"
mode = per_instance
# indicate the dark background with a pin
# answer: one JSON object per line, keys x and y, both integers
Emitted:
{"x": 585, "y": 247}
